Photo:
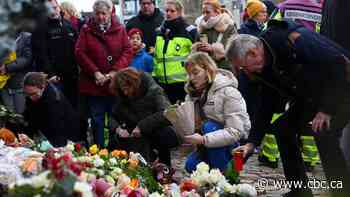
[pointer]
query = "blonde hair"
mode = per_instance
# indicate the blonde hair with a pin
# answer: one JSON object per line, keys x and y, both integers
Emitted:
{"x": 178, "y": 6}
{"x": 215, "y": 5}
{"x": 70, "y": 9}
{"x": 204, "y": 61}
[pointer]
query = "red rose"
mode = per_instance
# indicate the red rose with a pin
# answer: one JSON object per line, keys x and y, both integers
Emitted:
{"x": 77, "y": 148}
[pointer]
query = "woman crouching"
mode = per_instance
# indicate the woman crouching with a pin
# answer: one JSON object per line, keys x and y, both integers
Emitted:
{"x": 138, "y": 120}
{"x": 221, "y": 118}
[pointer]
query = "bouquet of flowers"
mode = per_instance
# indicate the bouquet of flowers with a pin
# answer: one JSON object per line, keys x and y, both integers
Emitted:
{"x": 182, "y": 118}
{"x": 210, "y": 183}
{"x": 60, "y": 178}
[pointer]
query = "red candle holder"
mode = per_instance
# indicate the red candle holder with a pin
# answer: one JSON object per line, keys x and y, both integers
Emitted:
{"x": 238, "y": 160}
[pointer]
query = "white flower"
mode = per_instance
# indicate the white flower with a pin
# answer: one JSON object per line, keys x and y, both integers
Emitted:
{"x": 116, "y": 172}
{"x": 100, "y": 172}
{"x": 202, "y": 167}
{"x": 109, "y": 179}
{"x": 85, "y": 159}
{"x": 200, "y": 178}
{"x": 215, "y": 176}
{"x": 36, "y": 181}
{"x": 98, "y": 162}
{"x": 247, "y": 190}
{"x": 113, "y": 161}
{"x": 41, "y": 180}
{"x": 227, "y": 187}
{"x": 156, "y": 194}
{"x": 83, "y": 188}
{"x": 70, "y": 146}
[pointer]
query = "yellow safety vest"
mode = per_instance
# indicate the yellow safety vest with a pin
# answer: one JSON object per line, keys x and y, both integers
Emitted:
{"x": 169, "y": 66}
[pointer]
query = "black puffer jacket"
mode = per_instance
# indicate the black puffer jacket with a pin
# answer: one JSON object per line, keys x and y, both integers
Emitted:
{"x": 148, "y": 26}
{"x": 53, "y": 45}
{"x": 145, "y": 111}
{"x": 53, "y": 115}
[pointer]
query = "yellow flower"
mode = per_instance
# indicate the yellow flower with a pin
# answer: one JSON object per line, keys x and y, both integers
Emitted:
{"x": 103, "y": 153}
{"x": 93, "y": 149}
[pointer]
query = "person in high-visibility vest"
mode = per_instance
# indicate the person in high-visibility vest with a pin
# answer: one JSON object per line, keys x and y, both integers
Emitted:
{"x": 173, "y": 45}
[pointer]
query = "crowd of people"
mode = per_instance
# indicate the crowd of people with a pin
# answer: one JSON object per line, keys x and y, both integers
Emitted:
{"x": 273, "y": 82}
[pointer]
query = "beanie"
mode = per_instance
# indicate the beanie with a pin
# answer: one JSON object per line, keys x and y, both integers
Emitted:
{"x": 254, "y": 7}
{"x": 135, "y": 31}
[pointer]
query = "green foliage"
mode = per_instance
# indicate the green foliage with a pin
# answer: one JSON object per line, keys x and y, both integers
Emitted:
{"x": 231, "y": 175}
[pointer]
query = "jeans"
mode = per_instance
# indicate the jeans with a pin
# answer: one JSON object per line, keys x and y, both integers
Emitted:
{"x": 14, "y": 99}
{"x": 98, "y": 107}
{"x": 215, "y": 157}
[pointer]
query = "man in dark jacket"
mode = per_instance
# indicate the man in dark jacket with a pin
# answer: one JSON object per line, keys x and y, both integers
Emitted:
{"x": 148, "y": 20}
{"x": 53, "y": 51}
{"x": 313, "y": 74}
{"x": 48, "y": 111}
{"x": 12, "y": 93}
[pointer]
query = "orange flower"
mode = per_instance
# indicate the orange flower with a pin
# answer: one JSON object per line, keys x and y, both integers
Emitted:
{"x": 7, "y": 136}
{"x": 103, "y": 153}
{"x": 123, "y": 154}
{"x": 119, "y": 154}
{"x": 134, "y": 183}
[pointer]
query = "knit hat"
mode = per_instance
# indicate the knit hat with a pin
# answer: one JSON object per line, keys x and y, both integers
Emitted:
{"x": 254, "y": 7}
{"x": 135, "y": 31}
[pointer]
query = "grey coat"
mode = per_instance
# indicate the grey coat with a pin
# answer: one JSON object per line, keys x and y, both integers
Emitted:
{"x": 23, "y": 63}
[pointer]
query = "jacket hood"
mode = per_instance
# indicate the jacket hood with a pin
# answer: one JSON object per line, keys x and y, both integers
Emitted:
{"x": 223, "y": 79}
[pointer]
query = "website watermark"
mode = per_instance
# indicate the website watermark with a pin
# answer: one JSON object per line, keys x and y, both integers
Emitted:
{"x": 311, "y": 184}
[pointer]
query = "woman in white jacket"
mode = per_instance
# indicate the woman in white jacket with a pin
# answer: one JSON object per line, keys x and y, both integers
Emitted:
{"x": 221, "y": 117}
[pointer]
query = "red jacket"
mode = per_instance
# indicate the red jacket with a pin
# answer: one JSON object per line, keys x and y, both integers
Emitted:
{"x": 92, "y": 55}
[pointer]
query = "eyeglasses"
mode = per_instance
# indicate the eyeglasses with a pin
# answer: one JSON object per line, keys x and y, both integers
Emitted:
{"x": 32, "y": 94}
{"x": 170, "y": 10}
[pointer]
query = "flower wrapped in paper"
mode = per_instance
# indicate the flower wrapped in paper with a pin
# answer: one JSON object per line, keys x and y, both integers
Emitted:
{"x": 182, "y": 118}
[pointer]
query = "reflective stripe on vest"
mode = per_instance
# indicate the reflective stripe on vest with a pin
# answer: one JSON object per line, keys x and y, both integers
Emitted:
{"x": 269, "y": 144}
{"x": 309, "y": 150}
{"x": 169, "y": 67}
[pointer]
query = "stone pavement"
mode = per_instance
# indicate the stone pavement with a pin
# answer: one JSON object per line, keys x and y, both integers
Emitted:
{"x": 253, "y": 173}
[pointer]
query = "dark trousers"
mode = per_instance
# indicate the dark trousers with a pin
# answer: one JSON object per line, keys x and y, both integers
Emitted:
{"x": 163, "y": 140}
{"x": 174, "y": 91}
{"x": 286, "y": 130}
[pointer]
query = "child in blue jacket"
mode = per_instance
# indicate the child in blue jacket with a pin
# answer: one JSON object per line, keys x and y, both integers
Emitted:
{"x": 142, "y": 61}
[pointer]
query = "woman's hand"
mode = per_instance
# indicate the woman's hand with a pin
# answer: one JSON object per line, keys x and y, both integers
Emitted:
{"x": 205, "y": 47}
{"x": 247, "y": 149}
{"x": 136, "y": 132}
{"x": 100, "y": 78}
{"x": 123, "y": 133}
{"x": 195, "y": 139}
